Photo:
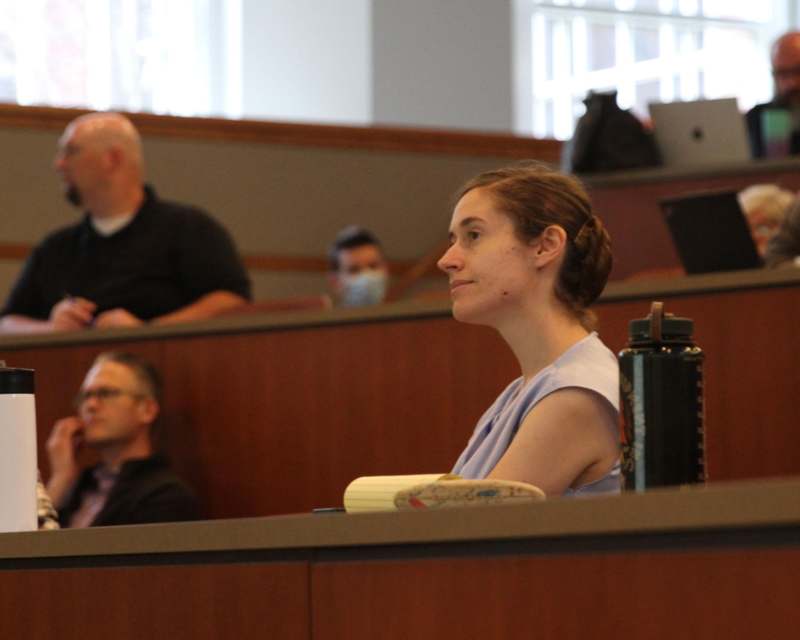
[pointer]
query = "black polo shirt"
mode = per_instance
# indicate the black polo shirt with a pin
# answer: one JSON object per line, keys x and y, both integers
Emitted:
{"x": 167, "y": 257}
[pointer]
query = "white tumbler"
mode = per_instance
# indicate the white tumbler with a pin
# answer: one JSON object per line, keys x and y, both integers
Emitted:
{"x": 18, "y": 470}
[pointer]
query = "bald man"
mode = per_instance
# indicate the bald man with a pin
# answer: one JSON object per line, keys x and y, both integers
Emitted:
{"x": 133, "y": 258}
{"x": 785, "y": 58}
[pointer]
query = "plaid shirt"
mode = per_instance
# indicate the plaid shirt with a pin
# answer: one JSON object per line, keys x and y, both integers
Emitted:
{"x": 48, "y": 518}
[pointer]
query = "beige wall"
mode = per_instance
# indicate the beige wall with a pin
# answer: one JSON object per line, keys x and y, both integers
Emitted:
{"x": 275, "y": 199}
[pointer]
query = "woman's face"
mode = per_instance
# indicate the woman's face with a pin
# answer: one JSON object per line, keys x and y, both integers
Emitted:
{"x": 491, "y": 271}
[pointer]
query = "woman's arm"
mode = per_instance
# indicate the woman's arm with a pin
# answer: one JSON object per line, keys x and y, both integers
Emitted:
{"x": 568, "y": 439}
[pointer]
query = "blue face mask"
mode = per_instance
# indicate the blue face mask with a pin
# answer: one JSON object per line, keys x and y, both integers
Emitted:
{"x": 363, "y": 288}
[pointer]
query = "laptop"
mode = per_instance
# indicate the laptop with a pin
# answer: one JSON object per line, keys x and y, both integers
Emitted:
{"x": 710, "y": 232}
{"x": 700, "y": 132}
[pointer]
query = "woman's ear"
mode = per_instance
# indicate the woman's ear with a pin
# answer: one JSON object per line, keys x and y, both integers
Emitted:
{"x": 550, "y": 244}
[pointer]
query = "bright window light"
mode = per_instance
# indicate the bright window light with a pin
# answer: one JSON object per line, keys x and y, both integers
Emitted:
{"x": 161, "y": 56}
{"x": 646, "y": 50}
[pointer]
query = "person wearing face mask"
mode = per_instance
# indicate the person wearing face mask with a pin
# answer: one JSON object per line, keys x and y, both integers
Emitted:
{"x": 358, "y": 273}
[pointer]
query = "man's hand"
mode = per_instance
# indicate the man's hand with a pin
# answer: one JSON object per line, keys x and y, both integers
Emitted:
{"x": 62, "y": 446}
{"x": 72, "y": 314}
{"x": 116, "y": 318}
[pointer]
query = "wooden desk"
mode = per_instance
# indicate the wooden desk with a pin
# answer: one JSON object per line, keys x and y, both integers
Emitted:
{"x": 276, "y": 414}
{"x": 719, "y": 562}
{"x": 628, "y": 204}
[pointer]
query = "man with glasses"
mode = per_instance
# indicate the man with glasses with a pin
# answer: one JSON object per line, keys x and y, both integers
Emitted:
{"x": 116, "y": 408}
{"x": 774, "y": 127}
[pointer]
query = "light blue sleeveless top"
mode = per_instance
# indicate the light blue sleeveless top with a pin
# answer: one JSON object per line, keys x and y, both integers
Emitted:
{"x": 588, "y": 364}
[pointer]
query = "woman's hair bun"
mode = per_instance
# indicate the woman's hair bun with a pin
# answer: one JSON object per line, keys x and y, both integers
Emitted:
{"x": 593, "y": 261}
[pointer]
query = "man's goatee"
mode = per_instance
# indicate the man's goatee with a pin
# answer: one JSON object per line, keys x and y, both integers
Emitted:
{"x": 73, "y": 196}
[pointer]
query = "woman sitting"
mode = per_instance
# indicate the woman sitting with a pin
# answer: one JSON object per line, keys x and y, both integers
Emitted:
{"x": 527, "y": 257}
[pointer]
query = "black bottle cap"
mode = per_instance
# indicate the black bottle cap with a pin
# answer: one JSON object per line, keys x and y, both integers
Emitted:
{"x": 660, "y": 327}
{"x": 672, "y": 328}
{"x": 14, "y": 380}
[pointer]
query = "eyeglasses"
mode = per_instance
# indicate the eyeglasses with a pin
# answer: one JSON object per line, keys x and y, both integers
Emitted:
{"x": 102, "y": 394}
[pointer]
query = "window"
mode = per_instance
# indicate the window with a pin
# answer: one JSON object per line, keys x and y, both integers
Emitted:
{"x": 646, "y": 50}
{"x": 162, "y": 56}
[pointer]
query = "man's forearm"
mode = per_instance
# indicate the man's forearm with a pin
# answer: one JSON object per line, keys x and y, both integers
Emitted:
{"x": 210, "y": 305}
{"x": 14, "y": 323}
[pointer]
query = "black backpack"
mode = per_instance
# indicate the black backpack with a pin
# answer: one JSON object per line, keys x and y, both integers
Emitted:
{"x": 608, "y": 138}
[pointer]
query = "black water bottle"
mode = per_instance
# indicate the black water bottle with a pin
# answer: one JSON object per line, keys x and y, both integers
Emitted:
{"x": 661, "y": 388}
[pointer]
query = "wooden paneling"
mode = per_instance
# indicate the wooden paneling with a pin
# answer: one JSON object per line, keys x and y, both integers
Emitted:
{"x": 14, "y": 251}
{"x": 294, "y": 264}
{"x": 694, "y": 564}
{"x": 632, "y": 216}
{"x": 635, "y": 588}
{"x": 175, "y": 602}
{"x": 323, "y": 406}
{"x": 729, "y": 594}
{"x": 279, "y": 421}
{"x": 404, "y": 139}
